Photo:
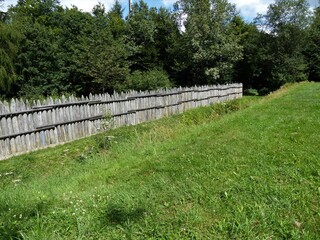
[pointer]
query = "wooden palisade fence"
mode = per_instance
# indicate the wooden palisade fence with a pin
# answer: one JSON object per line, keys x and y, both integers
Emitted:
{"x": 27, "y": 126}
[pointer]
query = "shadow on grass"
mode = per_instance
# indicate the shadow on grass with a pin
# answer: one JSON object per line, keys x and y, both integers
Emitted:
{"x": 12, "y": 223}
{"x": 119, "y": 215}
{"x": 9, "y": 231}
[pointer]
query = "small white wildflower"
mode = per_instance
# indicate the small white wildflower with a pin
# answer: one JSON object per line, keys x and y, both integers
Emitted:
{"x": 20, "y": 216}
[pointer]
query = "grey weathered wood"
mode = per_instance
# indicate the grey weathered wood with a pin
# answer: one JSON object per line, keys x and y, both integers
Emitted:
{"x": 27, "y": 126}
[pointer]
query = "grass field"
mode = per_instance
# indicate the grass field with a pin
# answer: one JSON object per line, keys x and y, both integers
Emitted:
{"x": 246, "y": 169}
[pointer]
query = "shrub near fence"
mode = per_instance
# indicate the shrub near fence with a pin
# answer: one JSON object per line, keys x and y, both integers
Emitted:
{"x": 27, "y": 126}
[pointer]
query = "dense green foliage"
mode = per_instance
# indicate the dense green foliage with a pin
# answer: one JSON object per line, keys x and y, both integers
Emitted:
{"x": 313, "y": 49}
{"x": 210, "y": 41}
{"x": 9, "y": 38}
{"x": 275, "y": 46}
{"x": 210, "y": 173}
{"x": 47, "y": 49}
{"x": 148, "y": 80}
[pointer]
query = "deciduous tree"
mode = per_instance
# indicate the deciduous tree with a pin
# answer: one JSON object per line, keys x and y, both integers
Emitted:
{"x": 9, "y": 40}
{"x": 105, "y": 55}
{"x": 313, "y": 47}
{"x": 211, "y": 42}
{"x": 285, "y": 23}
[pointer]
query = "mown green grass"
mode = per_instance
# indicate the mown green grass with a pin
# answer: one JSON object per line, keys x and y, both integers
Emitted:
{"x": 210, "y": 173}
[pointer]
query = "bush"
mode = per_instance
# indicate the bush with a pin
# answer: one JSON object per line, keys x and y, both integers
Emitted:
{"x": 264, "y": 91}
{"x": 251, "y": 92}
{"x": 149, "y": 80}
{"x": 223, "y": 108}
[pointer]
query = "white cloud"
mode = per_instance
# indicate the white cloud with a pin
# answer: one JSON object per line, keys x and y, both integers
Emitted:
{"x": 87, "y": 6}
{"x": 314, "y": 3}
{"x": 247, "y": 8}
{"x": 168, "y": 2}
{"x": 7, "y": 3}
{"x": 250, "y": 8}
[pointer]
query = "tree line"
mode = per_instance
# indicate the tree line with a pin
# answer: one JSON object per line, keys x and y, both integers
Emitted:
{"x": 47, "y": 49}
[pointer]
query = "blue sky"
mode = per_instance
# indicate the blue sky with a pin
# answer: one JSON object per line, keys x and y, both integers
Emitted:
{"x": 247, "y": 8}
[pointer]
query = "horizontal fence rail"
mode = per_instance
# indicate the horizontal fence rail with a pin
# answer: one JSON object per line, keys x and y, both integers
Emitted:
{"x": 26, "y": 126}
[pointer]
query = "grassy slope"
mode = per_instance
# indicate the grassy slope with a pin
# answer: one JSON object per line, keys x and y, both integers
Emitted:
{"x": 252, "y": 174}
